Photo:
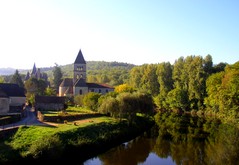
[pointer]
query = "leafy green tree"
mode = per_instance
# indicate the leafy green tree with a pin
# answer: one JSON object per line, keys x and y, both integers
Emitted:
{"x": 90, "y": 100}
{"x": 145, "y": 77}
{"x": 16, "y": 79}
{"x": 164, "y": 74}
{"x": 35, "y": 87}
{"x": 208, "y": 65}
{"x": 223, "y": 92}
{"x": 78, "y": 100}
{"x": 132, "y": 103}
{"x": 135, "y": 77}
{"x": 57, "y": 77}
{"x": 219, "y": 67}
{"x": 177, "y": 99}
{"x": 110, "y": 105}
{"x": 197, "y": 81}
{"x": 213, "y": 84}
{"x": 2, "y": 79}
{"x": 124, "y": 88}
{"x": 50, "y": 91}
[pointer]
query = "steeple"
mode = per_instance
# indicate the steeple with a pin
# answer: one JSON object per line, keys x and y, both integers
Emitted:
{"x": 34, "y": 69}
{"x": 79, "y": 68}
{"x": 80, "y": 59}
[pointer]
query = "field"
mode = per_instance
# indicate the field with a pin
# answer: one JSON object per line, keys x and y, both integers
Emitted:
{"x": 77, "y": 129}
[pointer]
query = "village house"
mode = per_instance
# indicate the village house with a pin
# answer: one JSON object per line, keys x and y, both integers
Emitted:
{"x": 78, "y": 85}
{"x": 49, "y": 103}
{"x": 12, "y": 98}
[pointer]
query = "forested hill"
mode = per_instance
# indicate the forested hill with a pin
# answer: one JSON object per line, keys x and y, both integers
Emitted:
{"x": 112, "y": 73}
{"x": 92, "y": 66}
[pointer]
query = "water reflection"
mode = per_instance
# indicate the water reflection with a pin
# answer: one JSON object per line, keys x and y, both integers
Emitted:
{"x": 178, "y": 140}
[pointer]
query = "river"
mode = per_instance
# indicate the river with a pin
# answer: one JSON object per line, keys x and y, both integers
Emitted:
{"x": 177, "y": 140}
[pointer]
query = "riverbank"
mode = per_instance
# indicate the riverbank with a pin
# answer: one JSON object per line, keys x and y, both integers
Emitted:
{"x": 71, "y": 143}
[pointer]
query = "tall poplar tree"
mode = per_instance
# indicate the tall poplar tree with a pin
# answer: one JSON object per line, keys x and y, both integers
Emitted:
{"x": 57, "y": 77}
{"x": 16, "y": 79}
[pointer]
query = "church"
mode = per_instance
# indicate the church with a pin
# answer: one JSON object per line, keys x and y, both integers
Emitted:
{"x": 78, "y": 85}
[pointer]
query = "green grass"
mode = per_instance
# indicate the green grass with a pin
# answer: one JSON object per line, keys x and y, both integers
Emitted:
{"x": 74, "y": 109}
{"x": 51, "y": 141}
{"x": 70, "y": 110}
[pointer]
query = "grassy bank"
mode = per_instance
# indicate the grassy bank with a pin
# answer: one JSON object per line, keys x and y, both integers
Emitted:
{"x": 72, "y": 141}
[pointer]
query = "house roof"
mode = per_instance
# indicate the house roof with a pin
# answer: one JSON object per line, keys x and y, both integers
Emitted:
{"x": 80, "y": 59}
{"x": 96, "y": 85}
{"x": 12, "y": 90}
{"x": 2, "y": 93}
{"x": 69, "y": 90}
{"x": 49, "y": 99}
{"x": 67, "y": 82}
{"x": 80, "y": 83}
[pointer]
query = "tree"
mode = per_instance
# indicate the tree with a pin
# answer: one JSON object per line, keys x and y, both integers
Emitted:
{"x": 78, "y": 100}
{"x": 219, "y": 67}
{"x": 223, "y": 92}
{"x": 164, "y": 74}
{"x": 34, "y": 87}
{"x": 57, "y": 77}
{"x": 110, "y": 105}
{"x": 213, "y": 84}
{"x": 132, "y": 103}
{"x": 177, "y": 99}
{"x": 124, "y": 88}
{"x": 16, "y": 79}
{"x": 90, "y": 100}
{"x": 208, "y": 64}
{"x": 196, "y": 82}
{"x": 2, "y": 79}
{"x": 50, "y": 91}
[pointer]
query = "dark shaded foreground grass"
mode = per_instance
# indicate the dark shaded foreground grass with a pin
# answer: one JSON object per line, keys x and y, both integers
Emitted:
{"x": 36, "y": 144}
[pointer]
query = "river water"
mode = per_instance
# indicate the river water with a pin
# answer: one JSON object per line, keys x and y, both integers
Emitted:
{"x": 177, "y": 140}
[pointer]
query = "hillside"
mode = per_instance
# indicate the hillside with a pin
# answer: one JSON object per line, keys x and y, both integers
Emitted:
{"x": 112, "y": 73}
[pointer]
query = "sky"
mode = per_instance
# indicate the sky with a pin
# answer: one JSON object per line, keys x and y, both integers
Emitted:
{"x": 50, "y": 32}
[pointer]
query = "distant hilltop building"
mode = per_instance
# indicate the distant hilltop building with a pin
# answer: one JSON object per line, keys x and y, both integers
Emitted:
{"x": 36, "y": 73}
{"x": 77, "y": 84}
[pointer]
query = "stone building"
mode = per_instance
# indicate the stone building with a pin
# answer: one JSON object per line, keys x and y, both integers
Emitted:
{"x": 36, "y": 73}
{"x": 12, "y": 98}
{"x": 78, "y": 85}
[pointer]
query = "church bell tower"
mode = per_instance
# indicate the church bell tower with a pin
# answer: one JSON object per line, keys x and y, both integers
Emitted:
{"x": 79, "y": 68}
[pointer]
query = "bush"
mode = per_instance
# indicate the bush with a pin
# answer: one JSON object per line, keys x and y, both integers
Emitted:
{"x": 47, "y": 147}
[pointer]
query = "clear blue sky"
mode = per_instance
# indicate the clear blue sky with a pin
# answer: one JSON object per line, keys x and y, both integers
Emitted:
{"x": 133, "y": 31}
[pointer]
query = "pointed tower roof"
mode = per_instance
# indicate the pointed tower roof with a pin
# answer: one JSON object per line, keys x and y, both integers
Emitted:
{"x": 80, "y": 59}
{"x": 34, "y": 69}
{"x": 27, "y": 76}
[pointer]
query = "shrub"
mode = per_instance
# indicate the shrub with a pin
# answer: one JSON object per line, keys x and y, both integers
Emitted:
{"x": 47, "y": 147}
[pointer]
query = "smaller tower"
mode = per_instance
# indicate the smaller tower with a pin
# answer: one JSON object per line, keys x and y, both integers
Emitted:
{"x": 34, "y": 71}
{"x": 79, "y": 68}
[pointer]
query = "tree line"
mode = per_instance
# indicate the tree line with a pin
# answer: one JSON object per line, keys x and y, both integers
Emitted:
{"x": 191, "y": 84}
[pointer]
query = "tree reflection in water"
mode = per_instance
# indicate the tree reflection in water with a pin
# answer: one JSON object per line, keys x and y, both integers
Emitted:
{"x": 184, "y": 140}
